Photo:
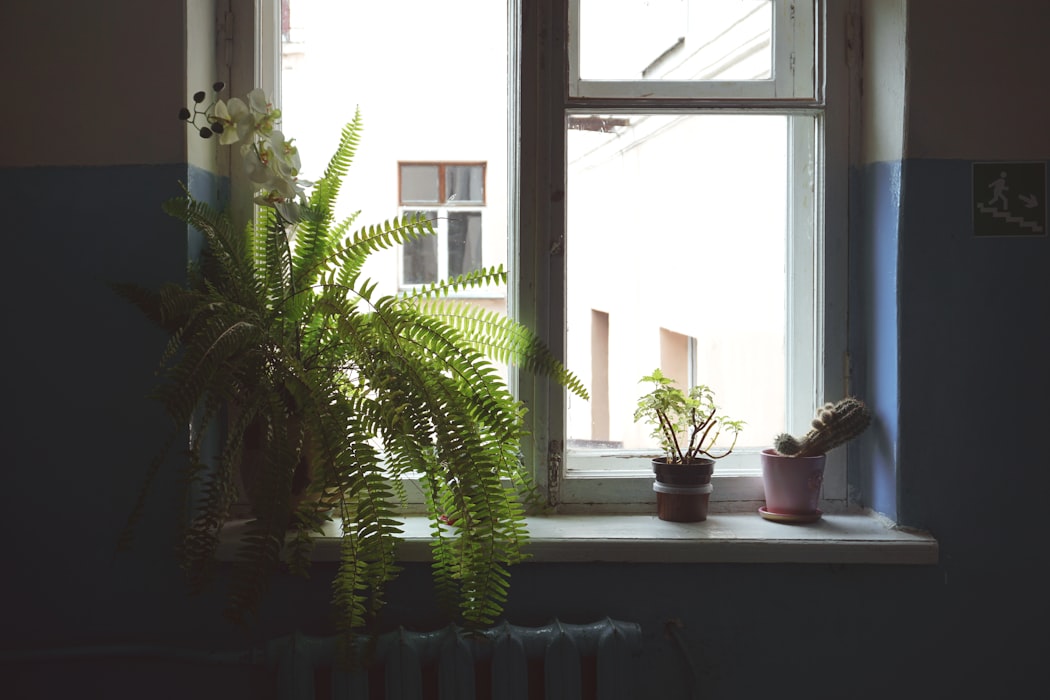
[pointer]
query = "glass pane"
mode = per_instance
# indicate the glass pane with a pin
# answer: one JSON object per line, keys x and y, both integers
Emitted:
{"x": 340, "y": 56}
{"x": 676, "y": 39}
{"x": 464, "y": 242}
{"x": 419, "y": 256}
{"x": 464, "y": 183}
{"x": 676, "y": 250}
{"x": 419, "y": 183}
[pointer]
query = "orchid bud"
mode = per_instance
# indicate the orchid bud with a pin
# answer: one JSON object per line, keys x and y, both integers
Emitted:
{"x": 205, "y": 132}
{"x": 184, "y": 113}
{"x": 199, "y": 96}
{"x": 217, "y": 87}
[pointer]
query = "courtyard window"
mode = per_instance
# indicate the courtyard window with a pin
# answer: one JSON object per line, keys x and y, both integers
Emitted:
{"x": 452, "y": 197}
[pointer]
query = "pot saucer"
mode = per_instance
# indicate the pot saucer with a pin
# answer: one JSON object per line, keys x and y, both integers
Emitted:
{"x": 790, "y": 517}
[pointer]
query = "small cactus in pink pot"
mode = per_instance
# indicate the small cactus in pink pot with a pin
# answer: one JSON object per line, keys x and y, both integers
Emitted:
{"x": 834, "y": 425}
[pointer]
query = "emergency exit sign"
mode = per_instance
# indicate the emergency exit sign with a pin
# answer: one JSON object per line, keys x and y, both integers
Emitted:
{"x": 1009, "y": 199}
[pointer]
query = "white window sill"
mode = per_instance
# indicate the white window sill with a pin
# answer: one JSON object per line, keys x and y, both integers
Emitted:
{"x": 742, "y": 538}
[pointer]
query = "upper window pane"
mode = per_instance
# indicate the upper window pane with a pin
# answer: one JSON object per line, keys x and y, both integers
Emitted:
{"x": 464, "y": 183}
{"x": 419, "y": 183}
{"x": 676, "y": 40}
{"x": 741, "y": 50}
{"x": 432, "y": 140}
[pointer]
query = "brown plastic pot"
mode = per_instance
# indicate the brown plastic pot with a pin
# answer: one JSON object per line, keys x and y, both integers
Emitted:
{"x": 683, "y": 491}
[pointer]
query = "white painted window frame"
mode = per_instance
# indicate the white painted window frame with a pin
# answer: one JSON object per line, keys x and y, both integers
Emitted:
{"x": 793, "y": 43}
{"x": 441, "y": 225}
{"x": 536, "y": 294}
{"x": 621, "y": 481}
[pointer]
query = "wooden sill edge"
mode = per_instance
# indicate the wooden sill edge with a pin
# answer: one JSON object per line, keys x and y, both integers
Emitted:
{"x": 744, "y": 538}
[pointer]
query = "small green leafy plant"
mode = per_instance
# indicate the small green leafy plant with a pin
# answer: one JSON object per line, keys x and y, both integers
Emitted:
{"x": 687, "y": 425}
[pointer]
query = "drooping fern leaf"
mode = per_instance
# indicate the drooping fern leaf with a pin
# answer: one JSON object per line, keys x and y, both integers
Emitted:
{"x": 327, "y": 394}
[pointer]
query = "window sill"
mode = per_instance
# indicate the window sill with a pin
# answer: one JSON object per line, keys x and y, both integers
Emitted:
{"x": 739, "y": 538}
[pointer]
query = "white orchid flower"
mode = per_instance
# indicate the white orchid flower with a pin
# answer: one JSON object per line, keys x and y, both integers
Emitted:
{"x": 263, "y": 113}
{"x": 257, "y": 158}
{"x": 289, "y": 209}
{"x": 236, "y": 119}
{"x": 274, "y": 167}
{"x": 285, "y": 155}
{"x": 258, "y": 102}
{"x": 271, "y": 161}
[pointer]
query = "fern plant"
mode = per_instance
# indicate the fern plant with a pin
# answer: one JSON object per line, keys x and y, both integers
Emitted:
{"x": 339, "y": 391}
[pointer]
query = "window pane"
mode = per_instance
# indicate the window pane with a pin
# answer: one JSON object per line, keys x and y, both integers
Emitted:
{"x": 339, "y": 57}
{"x": 464, "y": 242}
{"x": 676, "y": 242}
{"x": 419, "y": 183}
{"x": 464, "y": 183}
{"x": 676, "y": 39}
{"x": 419, "y": 256}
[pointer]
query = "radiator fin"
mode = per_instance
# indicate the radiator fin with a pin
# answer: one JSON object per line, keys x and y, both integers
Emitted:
{"x": 510, "y": 669}
{"x": 456, "y": 672}
{"x": 562, "y": 667}
{"x": 404, "y": 672}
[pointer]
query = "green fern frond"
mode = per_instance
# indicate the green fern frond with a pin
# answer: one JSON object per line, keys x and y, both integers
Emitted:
{"x": 504, "y": 340}
{"x": 327, "y": 189}
{"x": 328, "y": 393}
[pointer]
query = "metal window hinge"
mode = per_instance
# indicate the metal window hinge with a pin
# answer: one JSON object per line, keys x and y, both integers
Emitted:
{"x": 555, "y": 450}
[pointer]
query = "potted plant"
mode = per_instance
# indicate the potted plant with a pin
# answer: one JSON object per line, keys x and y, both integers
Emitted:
{"x": 687, "y": 427}
{"x": 793, "y": 471}
{"x": 279, "y": 340}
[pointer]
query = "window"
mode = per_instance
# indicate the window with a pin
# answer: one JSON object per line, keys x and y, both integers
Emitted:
{"x": 452, "y": 196}
{"x": 434, "y": 110}
{"x": 691, "y": 149}
{"x": 666, "y": 183}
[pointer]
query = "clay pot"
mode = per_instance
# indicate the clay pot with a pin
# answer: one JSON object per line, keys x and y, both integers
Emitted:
{"x": 683, "y": 491}
{"x": 792, "y": 484}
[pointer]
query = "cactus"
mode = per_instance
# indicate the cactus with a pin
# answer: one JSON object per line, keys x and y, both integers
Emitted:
{"x": 834, "y": 425}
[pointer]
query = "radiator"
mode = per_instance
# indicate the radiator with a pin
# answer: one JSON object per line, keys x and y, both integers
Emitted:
{"x": 506, "y": 662}
{"x": 557, "y": 661}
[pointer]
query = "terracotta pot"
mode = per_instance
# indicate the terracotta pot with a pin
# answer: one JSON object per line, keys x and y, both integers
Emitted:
{"x": 683, "y": 491}
{"x": 792, "y": 484}
{"x": 253, "y": 462}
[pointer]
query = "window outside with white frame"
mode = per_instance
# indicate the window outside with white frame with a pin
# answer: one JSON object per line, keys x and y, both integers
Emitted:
{"x": 452, "y": 197}
{"x": 693, "y": 216}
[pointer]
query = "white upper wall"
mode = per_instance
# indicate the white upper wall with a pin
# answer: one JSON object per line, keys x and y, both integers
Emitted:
{"x": 94, "y": 83}
{"x": 977, "y": 73}
{"x": 884, "y": 78}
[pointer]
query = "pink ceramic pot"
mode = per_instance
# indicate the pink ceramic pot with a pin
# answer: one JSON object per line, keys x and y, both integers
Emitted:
{"x": 792, "y": 484}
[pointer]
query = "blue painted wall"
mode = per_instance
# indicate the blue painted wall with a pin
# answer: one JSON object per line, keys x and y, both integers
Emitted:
{"x": 949, "y": 333}
{"x": 874, "y": 338}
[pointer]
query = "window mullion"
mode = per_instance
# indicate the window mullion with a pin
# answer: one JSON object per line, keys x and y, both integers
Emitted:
{"x": 793, "y": 49}
{"x": 536, "y": 299}
{"x": 805, "y": 289}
